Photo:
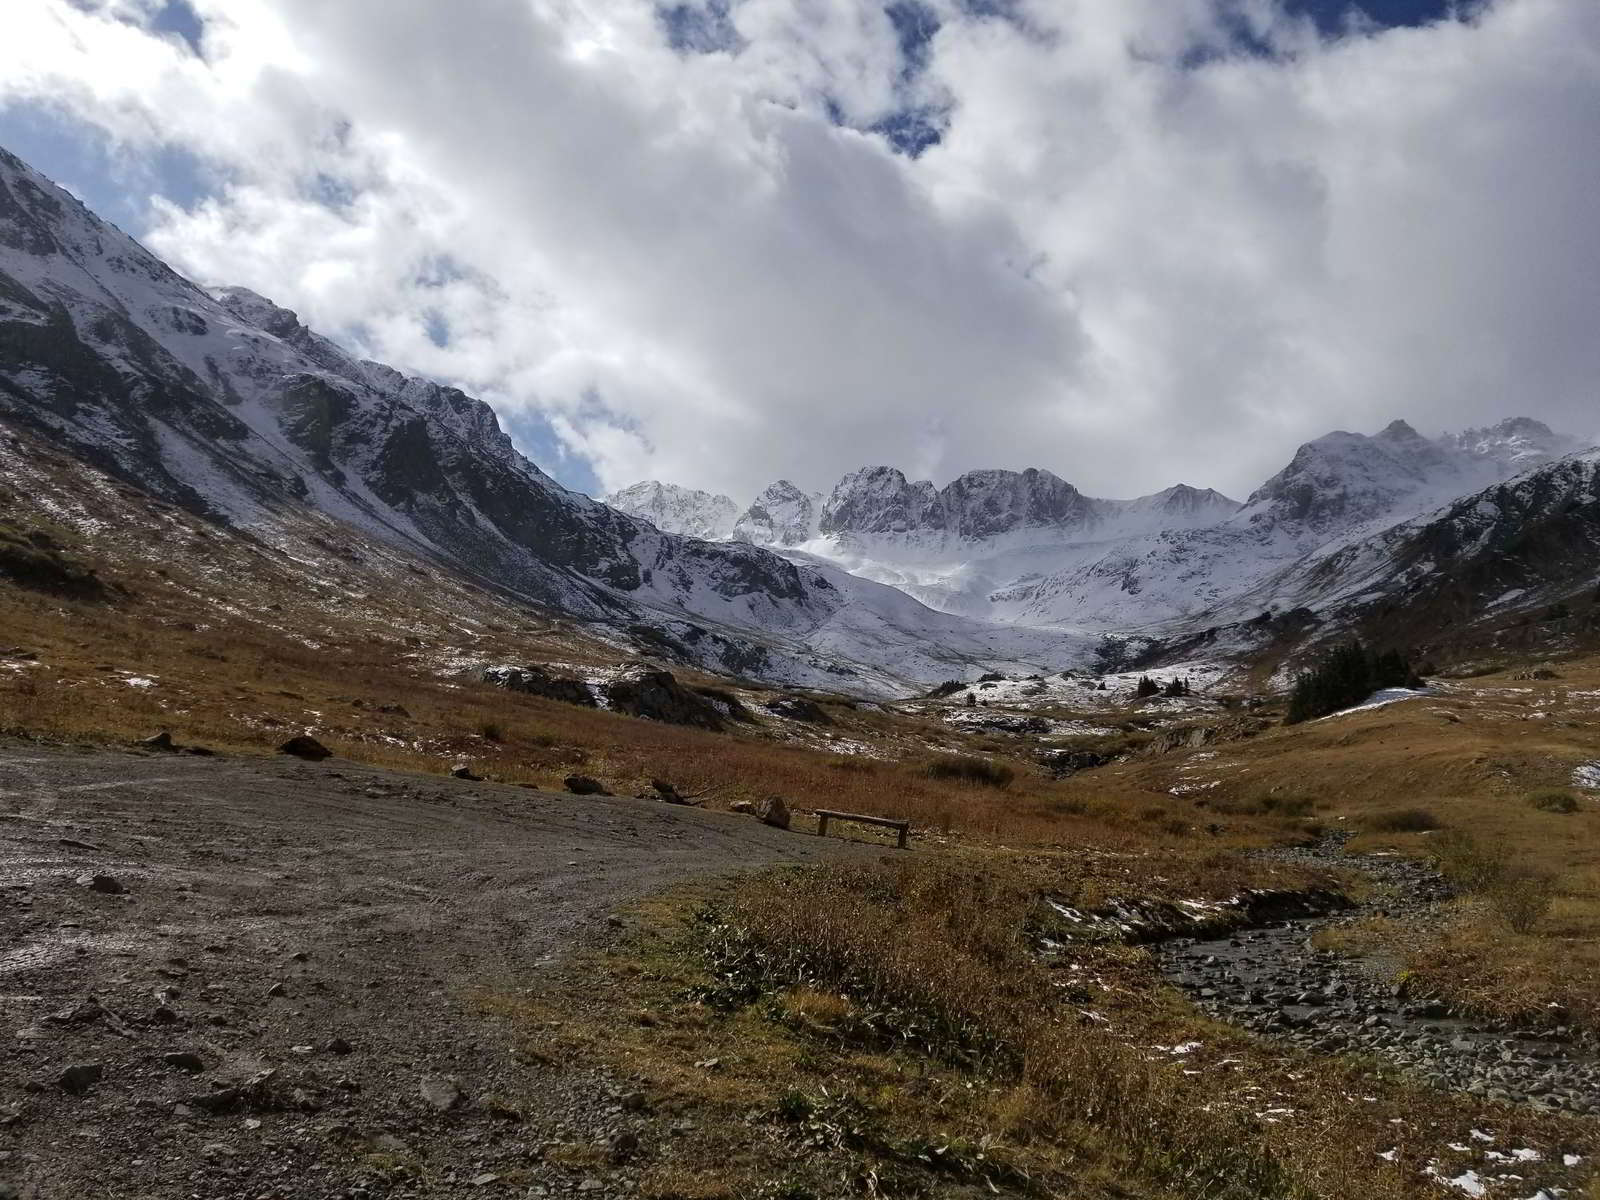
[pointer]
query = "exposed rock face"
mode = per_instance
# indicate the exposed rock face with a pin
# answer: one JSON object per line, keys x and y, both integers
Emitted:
{"x": 687, "y": 512}
{"x": 798, "y": 708}
{"x": 538, "y": 681}
{"x": 782, "y": 515}
{"x": 658, "y": 696}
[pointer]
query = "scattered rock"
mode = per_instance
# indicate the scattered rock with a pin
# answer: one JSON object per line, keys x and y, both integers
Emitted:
{"x": 442, "y": 1092}
{"x": 658, "y": 696}
{"x": 79, "y": 1014}
{"x": 584, "y": 785}
{"x": 277, "y": 990}
{"x": 798, "y": 708}
{"x": 669, "y": 793}
{"x": 773, "y": 811}
{"x": 80, "y": 1077}
{"x": 1537, "y": 673}
{"x": 259, "y": 1092}
{"x": 624, "y": 1146}
{"x": 633, "y": 1102}
{"x": 337, "y": 1045}
{"x": 184, "y": 1060}
{"x": 538, "y": 681}
{"x": 307, "y": 747}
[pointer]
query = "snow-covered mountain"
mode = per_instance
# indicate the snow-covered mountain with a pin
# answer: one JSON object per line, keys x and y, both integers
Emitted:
{"x": 226, "y": 404}
{"x": 687, "y": 512}
{"x": 1027, "y": 548}
{"x": 782, "y": 515}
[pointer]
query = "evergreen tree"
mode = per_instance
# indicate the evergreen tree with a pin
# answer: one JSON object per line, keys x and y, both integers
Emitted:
{"x": 1147, "y": 687}
{"x": 1344, "y": 678}
{"x": 1178, "y": 687}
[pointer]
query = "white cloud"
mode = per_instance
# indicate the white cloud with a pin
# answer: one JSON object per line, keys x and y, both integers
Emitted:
{"x": 1135, "y": 257}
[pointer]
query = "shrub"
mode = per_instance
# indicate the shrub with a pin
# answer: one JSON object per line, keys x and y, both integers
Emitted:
{"x": 960, "y": 768}
{"x": 1268, "y": 805}
{"x": 1553, "y": 800}
{"x": 1400, "y": 820}
{"x": 1466, "y": 863}
{"x": 1522, "y": 898}
{"x": 491, "y": 731}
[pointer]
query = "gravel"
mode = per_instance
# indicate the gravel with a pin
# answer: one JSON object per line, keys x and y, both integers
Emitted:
{"x": 1273, "y": 981}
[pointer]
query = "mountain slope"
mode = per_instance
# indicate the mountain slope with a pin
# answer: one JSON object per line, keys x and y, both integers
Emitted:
{"x": 227, "y": 405}
{"x": 687, "y": 512}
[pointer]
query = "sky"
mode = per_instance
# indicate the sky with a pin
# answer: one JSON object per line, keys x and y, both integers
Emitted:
{"x": 720, "y": 242}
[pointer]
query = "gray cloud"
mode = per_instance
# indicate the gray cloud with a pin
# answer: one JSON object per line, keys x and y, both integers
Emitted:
{"x": 1135, "y": 257}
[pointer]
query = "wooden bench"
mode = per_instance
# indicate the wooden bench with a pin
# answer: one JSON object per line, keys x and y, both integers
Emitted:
{"x": 824, "y": 815}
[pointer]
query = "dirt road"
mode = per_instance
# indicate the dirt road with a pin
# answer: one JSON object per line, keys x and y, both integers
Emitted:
{"x": 274, "y": 995}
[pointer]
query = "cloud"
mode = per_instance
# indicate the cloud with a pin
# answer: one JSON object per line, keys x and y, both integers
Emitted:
{"x": 1156, "y": 240}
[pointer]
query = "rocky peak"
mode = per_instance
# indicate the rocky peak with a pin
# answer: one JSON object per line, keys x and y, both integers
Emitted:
{"x": 878, "y": 500}
{"x": 983, "y": 504}
{"x": 782, "y": 515}
{"x": 1516, "y": 444}
{"x": 687, "y": 512}
{"x": 1399, "y": 431}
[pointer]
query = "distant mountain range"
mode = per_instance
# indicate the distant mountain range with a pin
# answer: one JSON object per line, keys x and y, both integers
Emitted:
{"x": 1028, "y": 548}
{"x": 224, "y": 403}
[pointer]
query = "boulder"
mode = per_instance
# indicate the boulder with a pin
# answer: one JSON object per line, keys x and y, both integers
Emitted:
{"x": 798, "y": 708}
{"x": 1061, "y": 763}
{"x": 669, "y": 792}
{"x": 742, "y": 806}
{"x": 726, "y": 704}
{"x": 584, "y": 785}
{"x": 80, "y": 1077}
{"x": 442, "y": 1092}
{"x": 307, "y": 747}
{"x": 656, "y": 695}
{"x": 1537, "y": 673}
{"x": 538, "y": 681}
{"x": 161, "y": 741}
{"x": 106, "y": 885}
{"x": 463, "y": 771}
{"x": 773, "y": 811}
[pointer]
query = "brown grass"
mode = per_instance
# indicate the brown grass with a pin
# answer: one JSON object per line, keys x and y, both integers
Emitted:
{"x": 889, "y": 1022}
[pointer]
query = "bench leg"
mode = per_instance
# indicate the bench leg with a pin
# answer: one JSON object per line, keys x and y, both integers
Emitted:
{"x": 822, "y": 826}
{"x": 903, "y": 832}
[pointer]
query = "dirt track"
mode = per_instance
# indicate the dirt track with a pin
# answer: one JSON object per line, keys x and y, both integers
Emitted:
{"x": 273, "y": 907}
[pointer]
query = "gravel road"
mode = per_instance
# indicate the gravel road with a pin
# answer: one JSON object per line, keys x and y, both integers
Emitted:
{"x": 272, "y": 996}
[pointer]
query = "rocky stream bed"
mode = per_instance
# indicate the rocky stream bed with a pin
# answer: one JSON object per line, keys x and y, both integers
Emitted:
{"x": 1274, "y": 981}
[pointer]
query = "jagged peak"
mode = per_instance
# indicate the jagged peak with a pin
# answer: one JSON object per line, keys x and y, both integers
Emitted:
{"x": 1400, "y": 430}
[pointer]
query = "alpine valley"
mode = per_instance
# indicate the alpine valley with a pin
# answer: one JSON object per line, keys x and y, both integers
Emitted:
{"x": 225, "y": 406}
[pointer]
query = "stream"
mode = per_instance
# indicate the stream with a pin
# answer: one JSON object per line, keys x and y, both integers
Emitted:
{"x": 1271, "y": 980}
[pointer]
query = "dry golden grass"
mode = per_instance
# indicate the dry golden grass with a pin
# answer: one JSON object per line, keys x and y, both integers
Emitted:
{"x": 889, "y": 1022}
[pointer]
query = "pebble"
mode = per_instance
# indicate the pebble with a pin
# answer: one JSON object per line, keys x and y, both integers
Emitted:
{"x": 1273, "y": 981}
